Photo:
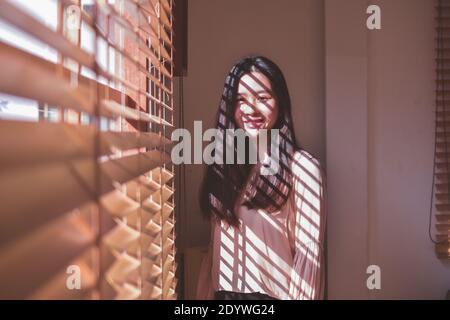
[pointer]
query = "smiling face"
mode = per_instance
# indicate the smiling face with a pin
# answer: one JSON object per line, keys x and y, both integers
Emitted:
{"x": 256, "y": 105}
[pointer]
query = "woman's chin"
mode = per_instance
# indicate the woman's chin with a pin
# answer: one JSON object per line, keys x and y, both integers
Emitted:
{"x": 252, "y": 131}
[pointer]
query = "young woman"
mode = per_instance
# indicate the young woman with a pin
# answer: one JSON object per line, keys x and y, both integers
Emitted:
{"x": 267, "y": 231}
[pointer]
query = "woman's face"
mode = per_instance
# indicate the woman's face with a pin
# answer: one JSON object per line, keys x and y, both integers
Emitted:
{"x": 256, "y": 105}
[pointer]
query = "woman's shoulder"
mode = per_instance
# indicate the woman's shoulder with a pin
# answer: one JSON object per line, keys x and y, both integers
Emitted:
{"x": 304, "y": 160}
{"x": 307, "y": 172}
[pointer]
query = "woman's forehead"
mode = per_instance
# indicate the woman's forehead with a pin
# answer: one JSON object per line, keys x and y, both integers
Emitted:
{"x": 253, "y": 83}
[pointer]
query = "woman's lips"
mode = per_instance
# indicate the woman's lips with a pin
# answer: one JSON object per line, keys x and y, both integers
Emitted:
{"x": 254, "y": 123}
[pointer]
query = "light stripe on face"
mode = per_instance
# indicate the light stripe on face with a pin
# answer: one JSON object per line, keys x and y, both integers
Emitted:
{"x": 256, "y": 106}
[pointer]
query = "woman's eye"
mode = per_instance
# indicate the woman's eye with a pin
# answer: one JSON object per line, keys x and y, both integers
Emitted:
{"x": 263, "y": 98}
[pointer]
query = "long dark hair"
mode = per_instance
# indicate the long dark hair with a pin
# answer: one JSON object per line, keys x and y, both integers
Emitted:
{"x": 223, "y": 183}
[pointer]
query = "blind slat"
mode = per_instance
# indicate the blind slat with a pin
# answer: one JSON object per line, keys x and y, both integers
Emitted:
{"x": 129, "y": 113}
{"x": 119, "y": 205}
{"x": 68, "y": 185}
{"x": 25, "y": 143}
{"x": 28, "y": 76}
{"x": 56, "y": 288}
{"x": 131, "y": 140}
{"x": 126, "y": 22}
{"x": 121, "y": 237}
{"x": 127, "y": 168}
{"x": 124, "y": 270}
{"x": 152, "y": 27}
{"x": 35, "y": 28}
{"x": 128, "y": 292}
{"x": 45, "y": 252}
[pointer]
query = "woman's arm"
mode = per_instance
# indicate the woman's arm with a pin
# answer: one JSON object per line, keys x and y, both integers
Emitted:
{"x": 308, "y": 228}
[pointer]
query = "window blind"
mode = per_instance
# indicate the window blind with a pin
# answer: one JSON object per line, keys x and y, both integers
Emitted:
{"x": 86, "y": 186}
{"x": 442, "y": 144}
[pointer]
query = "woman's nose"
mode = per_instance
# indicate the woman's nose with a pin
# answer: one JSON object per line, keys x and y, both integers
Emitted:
{"x": 247, "y": 108}
{"x": 250, "y": 107}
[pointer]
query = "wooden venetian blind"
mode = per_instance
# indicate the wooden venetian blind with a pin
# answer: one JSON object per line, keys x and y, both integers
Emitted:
{"x": 442, "y": 145}
{"x": 86, "y": 188}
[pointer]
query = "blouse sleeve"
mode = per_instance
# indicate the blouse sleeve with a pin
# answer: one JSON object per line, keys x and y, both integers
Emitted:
{"x": 205, "y": 290}
{"x": 307, "y": 221}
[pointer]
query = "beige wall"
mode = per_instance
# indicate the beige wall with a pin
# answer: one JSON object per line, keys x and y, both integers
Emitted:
{"x": 346, "y": 123}
{"x": 379, "y": 110}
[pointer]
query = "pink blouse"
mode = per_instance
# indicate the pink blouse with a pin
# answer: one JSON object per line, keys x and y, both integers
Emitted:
{"x": 279, "y": 254}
